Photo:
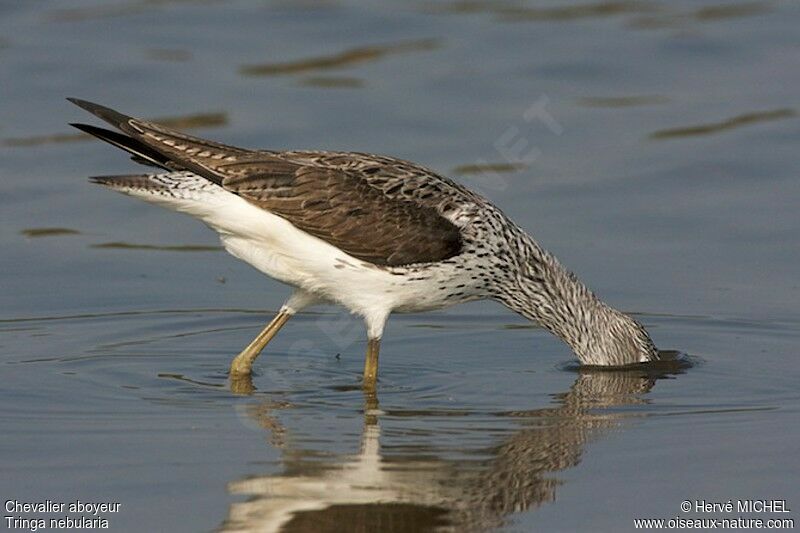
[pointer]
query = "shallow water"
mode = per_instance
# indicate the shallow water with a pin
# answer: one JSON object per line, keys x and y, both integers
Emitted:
{"x": 652, "y": 146}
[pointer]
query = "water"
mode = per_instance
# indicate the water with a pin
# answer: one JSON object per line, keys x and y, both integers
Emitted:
{"x": 650, "y": 145}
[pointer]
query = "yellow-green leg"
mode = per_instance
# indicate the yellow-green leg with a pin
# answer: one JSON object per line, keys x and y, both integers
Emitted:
{"x": 242, "y": 364}
{"x": 371, "y": 365}
{"x": 371, "y": 408}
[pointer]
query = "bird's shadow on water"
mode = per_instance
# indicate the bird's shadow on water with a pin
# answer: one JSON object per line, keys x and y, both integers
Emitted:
{"x": 423, "y": 488}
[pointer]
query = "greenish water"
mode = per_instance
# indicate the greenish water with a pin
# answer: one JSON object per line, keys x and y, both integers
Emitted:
{"x": 652, "y": 146}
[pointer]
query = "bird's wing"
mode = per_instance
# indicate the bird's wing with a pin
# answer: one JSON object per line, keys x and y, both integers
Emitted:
{"x": 342, "y": 209}
{"x": 336, "y": 205}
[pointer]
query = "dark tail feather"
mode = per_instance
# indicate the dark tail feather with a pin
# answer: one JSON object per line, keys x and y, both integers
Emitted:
{"x": 141, "y": 152}
{"x": 149, "y": 140}
{"x": 118, "y": 120}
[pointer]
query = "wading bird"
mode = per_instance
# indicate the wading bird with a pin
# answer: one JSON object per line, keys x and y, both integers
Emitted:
{"x": 372, "y": 233}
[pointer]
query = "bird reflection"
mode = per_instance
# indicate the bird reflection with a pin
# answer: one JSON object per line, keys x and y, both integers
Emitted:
{"x": 370, "y": 491}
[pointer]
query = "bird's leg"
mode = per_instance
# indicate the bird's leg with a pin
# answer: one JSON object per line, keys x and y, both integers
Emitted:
{"x": 371, "y": 408}
{"x": 242, "y": 364}
{"x": 371, "y": 364}
{"x": 242, "y": 384}
{"x": 375, "y": 321}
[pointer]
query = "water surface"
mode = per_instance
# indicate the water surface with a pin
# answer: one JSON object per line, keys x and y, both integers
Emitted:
{"x": 652, "y": 146}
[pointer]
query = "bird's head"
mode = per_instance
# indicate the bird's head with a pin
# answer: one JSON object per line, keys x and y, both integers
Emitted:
{"x": 611, "y": 338}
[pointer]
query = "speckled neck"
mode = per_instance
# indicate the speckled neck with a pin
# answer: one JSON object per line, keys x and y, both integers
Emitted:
{"x": 544, "y": 291}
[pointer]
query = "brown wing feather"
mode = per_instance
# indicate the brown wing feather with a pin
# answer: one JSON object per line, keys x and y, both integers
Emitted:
{"x": 343, "y": 210}
{"x": 336, "y": 205}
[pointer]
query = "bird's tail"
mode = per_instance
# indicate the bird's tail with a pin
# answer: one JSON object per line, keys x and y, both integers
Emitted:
{"x": 186, "y": 192}
{"x": 176, "y": 190}
{"x": 140, "y": 152}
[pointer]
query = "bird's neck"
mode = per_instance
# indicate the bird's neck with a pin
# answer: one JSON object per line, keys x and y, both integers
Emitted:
{"x": 544, "y": 291}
